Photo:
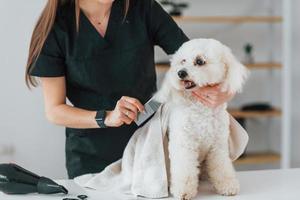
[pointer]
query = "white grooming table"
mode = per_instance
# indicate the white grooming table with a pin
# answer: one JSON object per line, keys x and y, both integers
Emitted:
{"x": 255, "y": 185}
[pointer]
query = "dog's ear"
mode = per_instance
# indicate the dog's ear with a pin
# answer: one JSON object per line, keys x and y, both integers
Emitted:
{"x": 236, "y": 72}
{"x": 164, "y": 93}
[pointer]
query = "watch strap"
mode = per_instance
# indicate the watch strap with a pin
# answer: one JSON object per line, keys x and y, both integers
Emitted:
{"x": 100, "y": 117}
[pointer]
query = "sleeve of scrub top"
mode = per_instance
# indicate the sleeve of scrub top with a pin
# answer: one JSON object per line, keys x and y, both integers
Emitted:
{"x": 164, "y": 30}
{"x": 51, "y": 61}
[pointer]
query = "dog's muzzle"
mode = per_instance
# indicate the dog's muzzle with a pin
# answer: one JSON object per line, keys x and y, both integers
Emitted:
{"x": 188, "y": 84}
{"x": 182, "y": 74}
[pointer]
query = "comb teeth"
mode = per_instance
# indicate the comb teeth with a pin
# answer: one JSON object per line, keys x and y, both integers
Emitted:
{"x": 154, "y": 104}
{"x": 150, "y": 108}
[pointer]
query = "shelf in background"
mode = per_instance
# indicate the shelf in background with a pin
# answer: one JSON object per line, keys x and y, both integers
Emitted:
{"x": 228, "y": 19}
{"x": 258, "y": 158}
{"x": 264, "y": 65}
{"x": 255, "y": 114}
{"x": 163, "y": 67}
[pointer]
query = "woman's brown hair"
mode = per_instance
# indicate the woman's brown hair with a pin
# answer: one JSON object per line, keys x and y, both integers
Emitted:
{"x": 43, "y": 28}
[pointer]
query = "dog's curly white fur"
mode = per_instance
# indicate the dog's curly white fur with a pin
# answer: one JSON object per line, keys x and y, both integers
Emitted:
{"x": 198, "y": 135}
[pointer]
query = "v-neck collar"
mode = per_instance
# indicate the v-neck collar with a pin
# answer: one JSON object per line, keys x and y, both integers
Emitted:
{"x": 86, "y": 26}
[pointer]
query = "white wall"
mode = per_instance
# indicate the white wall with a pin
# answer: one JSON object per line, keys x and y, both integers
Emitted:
{"x": 296, "y": 86}
{"x": 39, "y": 146}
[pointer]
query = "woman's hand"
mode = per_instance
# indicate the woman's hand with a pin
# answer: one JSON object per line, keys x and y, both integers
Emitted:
{"x": 125, "y": 112}
{"x": 212, "y": 96}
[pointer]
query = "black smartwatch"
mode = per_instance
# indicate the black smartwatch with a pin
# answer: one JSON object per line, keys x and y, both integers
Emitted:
{"x": 100, "y": 117}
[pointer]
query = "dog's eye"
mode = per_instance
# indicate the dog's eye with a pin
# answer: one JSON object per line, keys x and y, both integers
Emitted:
{"x": 199, "y": 62}
{"x": 183, "y": 61}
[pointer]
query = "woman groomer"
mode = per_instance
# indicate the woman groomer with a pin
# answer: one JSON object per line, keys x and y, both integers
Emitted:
{"x": 100, "y": 55}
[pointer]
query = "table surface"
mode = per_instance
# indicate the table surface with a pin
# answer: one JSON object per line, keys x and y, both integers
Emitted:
{"x": 255, "y": 185}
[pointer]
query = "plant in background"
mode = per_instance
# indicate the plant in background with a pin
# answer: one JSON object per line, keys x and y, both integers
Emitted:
{"x": 249, "y": 58}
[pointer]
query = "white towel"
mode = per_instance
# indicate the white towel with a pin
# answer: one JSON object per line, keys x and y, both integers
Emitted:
{"x": 143, "y": 170}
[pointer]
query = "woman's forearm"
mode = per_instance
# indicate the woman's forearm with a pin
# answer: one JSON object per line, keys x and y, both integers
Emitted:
{"x": 58, "y": 112}
{"x": 72, "y": 117}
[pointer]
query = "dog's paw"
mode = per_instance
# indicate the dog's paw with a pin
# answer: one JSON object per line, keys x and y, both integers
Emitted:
{"x": 185, "y": 193}
{"x": 228, "y": 187}
{"x": 186, "y": 197}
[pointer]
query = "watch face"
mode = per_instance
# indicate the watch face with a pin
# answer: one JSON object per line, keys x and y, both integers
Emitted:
{"x": 100, "y": 116}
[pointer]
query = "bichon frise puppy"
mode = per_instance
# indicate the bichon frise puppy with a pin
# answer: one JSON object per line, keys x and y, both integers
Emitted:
{"x": 198, "y": 135}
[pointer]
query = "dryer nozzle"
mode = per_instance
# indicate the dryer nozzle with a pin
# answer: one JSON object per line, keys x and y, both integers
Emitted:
{"x": 17, "y": 180}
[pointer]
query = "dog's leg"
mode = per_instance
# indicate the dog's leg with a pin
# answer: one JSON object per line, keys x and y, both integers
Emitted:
{"x": 221, "y": 171}
{"x": 184, "y": 171}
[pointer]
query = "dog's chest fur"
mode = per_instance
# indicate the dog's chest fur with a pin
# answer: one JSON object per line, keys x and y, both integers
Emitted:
{"x": 196, "y": 126}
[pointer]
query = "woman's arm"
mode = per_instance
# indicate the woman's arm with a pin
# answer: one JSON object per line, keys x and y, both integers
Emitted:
{"x": 58, "y": 112}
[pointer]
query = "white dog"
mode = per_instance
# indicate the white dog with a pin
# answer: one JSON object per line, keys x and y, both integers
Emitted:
{"x": 198, "y": 135}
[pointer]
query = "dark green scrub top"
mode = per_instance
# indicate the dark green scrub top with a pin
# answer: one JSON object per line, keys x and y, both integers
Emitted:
{"x": 100, "y": 70}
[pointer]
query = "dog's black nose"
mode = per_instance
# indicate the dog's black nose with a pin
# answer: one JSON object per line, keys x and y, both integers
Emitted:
{"x": 182, "y": 74}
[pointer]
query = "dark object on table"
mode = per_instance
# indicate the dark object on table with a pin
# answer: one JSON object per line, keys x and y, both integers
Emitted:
{"x": 70, "y": 199}
{"x": 176, "y": 7}
{"x": 82, "y": 197}
{"x": 16, "y": 180}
